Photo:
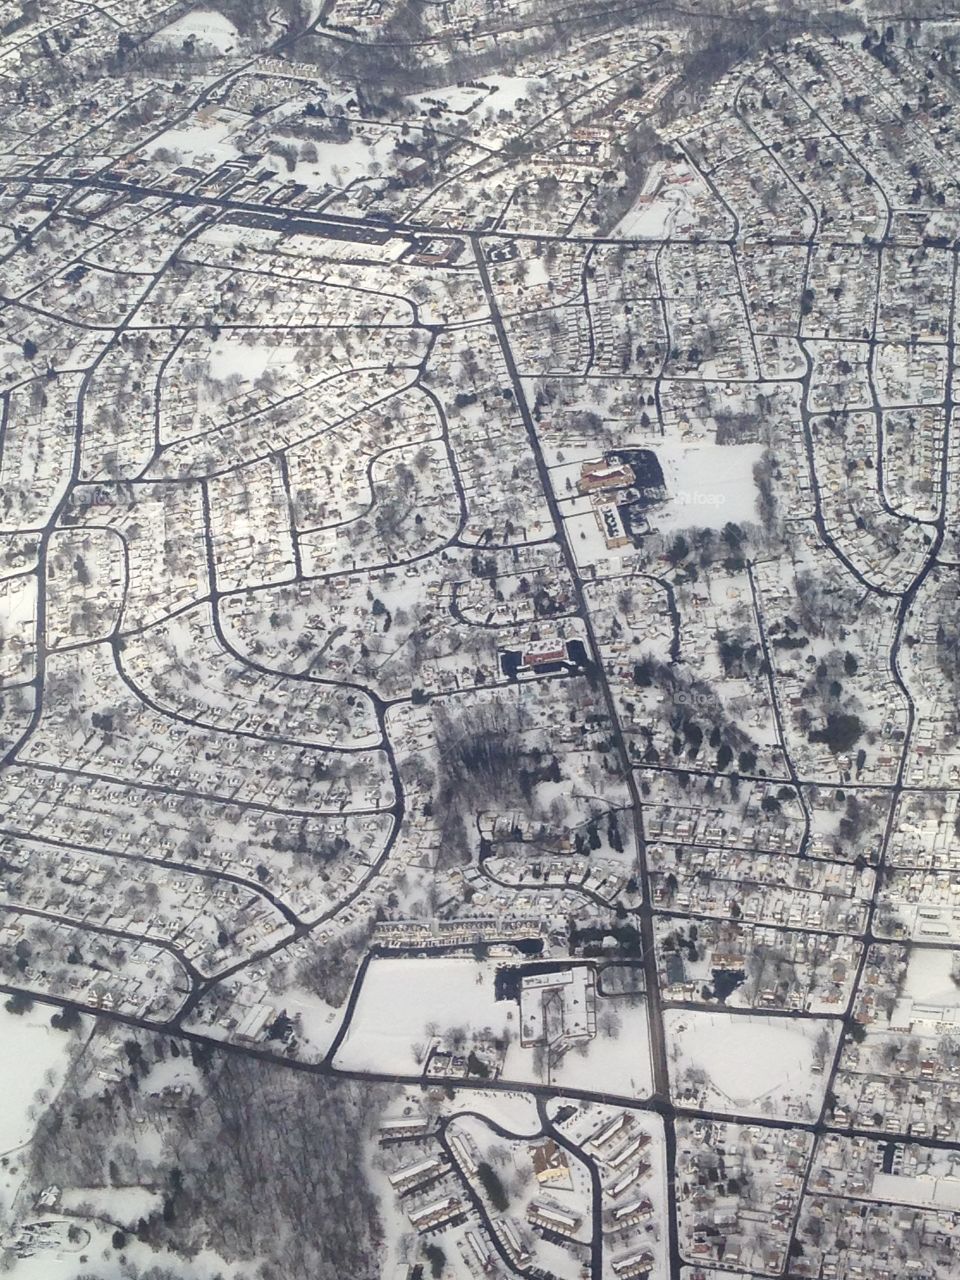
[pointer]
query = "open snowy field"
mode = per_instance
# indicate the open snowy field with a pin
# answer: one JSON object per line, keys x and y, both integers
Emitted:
{"x": 621, "y": 1060}
{"x": 205, "y": 26}
{"x": 408, "y": 1007}
{"x": 929, "y": 978}
{"x": 404, "y": 1005}
{"x": 749, "y": 1064}
{"x": 33, "y": 1056}
{"x": 709, "y": 485}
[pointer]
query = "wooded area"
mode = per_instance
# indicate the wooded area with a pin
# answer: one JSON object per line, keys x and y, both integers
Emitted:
{"x": 264, "y": 1165}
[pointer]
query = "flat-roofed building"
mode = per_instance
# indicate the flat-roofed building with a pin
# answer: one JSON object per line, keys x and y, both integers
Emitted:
{"x": 629, "y": 1215}
{"x": 435, "y": 1213}
{"x": 464, "y": 1152}
{"x": 404, "y": 1129}
{"x": 415, "y": 1175}
{"x": 636, "y": 1144}
{"x": 511, "y": 1240}
{"x": 608, "y": 1131}
{"x": 628, "y": 1179}
{"x": 480, "y": 1251}
{"x": 553, "y": 1218}
{"x": 632, "y": 1265}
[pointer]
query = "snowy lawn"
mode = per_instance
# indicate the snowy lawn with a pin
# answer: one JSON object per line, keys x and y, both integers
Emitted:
{"x": 709, "y": 485}
{"x": 408, "y": 1006}
{"x": 29, "y": 1049}
{"x": 206, "y": 27}
{"x": 748, "y": 1063}
{"x": 621, "y": 1061}
{"x": 929, "y": 977}
{"x": 125, "y": 1205}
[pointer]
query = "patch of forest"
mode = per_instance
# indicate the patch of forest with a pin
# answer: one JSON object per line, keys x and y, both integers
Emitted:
{"x": 255, "y": 1161}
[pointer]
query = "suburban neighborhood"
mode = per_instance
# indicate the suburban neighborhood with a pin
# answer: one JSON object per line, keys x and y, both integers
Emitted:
{"x": 479, "y": 614}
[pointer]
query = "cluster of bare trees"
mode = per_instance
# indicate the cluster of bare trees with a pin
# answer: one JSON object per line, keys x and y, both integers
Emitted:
{"x": 329, "y": 970}
{"x": 487, "y": 757}
{"x": 259, "y": 1163}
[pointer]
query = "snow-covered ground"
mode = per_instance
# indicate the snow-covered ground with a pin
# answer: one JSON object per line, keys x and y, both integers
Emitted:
{"x": 621, "y": 1060}
{"x": 231, "y": 355}
{"x": 507, "y": 89}
{"x": 514, "y": 1111}
{"x": 33, "y": 1057}
{"x": 929, "y": 977}
{"x": 207, "y": 28}
{"x": 749, "y": 1064}
{"x": 406, "y": 1007}
{"x": 205, "y": 141}
{"x": 126, "y": 1205}
{"x": 339, "y": 163}
{"x": 709, "y": 485}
